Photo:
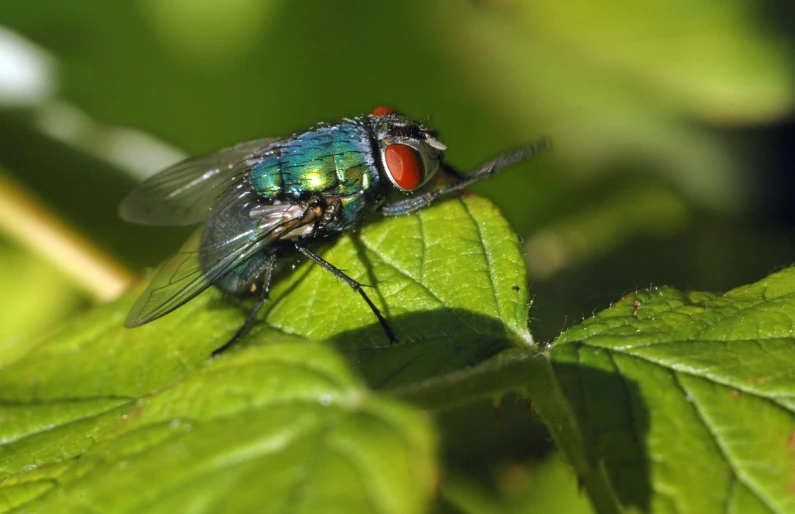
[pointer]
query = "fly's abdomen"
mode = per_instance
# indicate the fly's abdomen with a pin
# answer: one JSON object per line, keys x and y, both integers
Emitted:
{"x": 335, "y": 160}
{"x": 230, "y": 223}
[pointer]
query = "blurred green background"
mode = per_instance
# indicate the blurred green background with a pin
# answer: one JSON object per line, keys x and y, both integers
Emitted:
{"x": 672, "y": 122}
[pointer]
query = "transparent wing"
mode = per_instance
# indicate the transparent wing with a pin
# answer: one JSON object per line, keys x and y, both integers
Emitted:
{"x": 197, "y": 266}
{"x": 183, "y": 193}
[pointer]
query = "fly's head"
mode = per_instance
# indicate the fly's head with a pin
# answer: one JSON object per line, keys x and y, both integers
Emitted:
{"x": 410, "y": 153}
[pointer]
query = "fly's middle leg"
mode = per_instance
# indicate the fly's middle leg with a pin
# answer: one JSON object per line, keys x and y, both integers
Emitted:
{"x": 356, "y": 286}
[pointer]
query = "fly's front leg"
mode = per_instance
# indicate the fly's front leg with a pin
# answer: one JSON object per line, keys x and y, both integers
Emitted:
{"x": 503, "y": 161}
{"x": 356, "y": 286}
{"x": 449, "y": 170}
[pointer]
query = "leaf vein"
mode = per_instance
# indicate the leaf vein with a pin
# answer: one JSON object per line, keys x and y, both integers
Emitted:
{"x": 725, "y": 453}
{"x": 489, "y": 262}
{"x": 717, "y": 380}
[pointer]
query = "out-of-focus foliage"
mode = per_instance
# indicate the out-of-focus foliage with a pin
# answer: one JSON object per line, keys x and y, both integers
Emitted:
{"x": 546, "y": 486}
{"x": 42, "y": 294}
{"x": 615, "y": 81}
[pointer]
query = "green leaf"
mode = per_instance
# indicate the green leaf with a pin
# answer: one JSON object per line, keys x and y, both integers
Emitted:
{"x": 450, "y": 279}
{"x": 459, "y": 254}
{"x": 110, "y": 419}
{"x": 278, "y": 427}
{"x": 687, "y": 399}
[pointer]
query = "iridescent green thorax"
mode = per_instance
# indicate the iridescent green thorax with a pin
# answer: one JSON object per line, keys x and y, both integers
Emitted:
{"x": 331, "y": 160}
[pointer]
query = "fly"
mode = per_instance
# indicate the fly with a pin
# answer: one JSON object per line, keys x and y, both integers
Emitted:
{"x": 261, "y": 199}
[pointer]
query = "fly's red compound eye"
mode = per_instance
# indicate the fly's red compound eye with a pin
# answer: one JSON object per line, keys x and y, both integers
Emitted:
{"x": 382, "y": 110}
{"x": 404, "y": 164}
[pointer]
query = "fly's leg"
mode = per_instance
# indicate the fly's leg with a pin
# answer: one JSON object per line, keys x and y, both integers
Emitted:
{"x": 493, "y": 166}
{"x": 252, "y": 315}
{"x": 454, "y": 173}
{"x": 356, "y": 286}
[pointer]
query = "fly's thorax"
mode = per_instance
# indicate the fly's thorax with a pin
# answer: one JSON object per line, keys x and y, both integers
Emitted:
{"x": 328, "y": 160}
{"x": 349, "y": 213}
{"x": 335, "y": 214}
{"x": 408, "y": 152}
{"x": 321, "y": 215}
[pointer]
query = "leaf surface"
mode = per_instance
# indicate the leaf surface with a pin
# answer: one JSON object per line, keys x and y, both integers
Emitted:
{"x": 688, "y": 399}
{"x": 450, "y": 279}
{"x": 99, "y": 417}
{"x": 283, "y": 427}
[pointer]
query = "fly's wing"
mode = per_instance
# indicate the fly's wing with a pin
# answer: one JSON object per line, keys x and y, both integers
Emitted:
{"x": 184, "y": 193}
{"x": 183, "y": 276}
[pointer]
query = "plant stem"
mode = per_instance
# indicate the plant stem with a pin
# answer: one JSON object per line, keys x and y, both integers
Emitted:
{"x": 530, "y": 375}
{"x": 31, "y": 224}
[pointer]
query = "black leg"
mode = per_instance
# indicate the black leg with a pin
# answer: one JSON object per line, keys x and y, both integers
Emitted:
{"x": 503, "y": 161}
{"x": 252, "y": 315}
{"x": 449, "y": 170}
{"x": 352, "y": 284}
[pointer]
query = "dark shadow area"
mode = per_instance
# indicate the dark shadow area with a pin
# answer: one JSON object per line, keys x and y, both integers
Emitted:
{"x": 429, "y": 344}
{"x": 780, "y": 16}
{"x": 479, "y": 438}
{"x": 614, "y": 421}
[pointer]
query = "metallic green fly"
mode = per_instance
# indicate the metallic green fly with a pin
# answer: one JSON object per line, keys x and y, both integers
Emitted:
{"x": 260, "y": 200}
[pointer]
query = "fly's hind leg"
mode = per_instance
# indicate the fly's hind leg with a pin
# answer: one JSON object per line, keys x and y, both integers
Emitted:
{"x": 252, "y": 315}
{"x": 356, "y": 286}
